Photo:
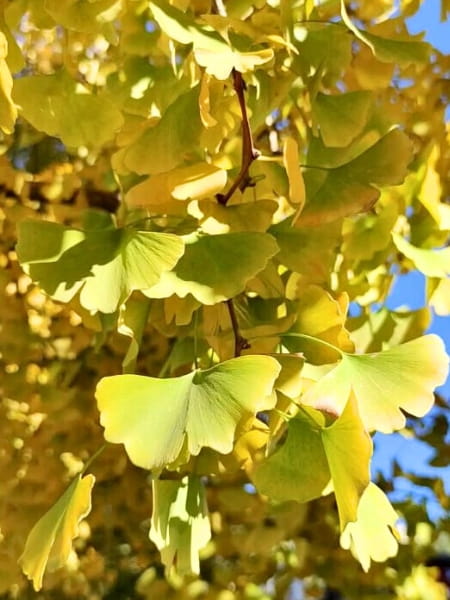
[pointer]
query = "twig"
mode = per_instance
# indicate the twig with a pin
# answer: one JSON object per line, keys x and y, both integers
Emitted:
{"x": 249, "y": 152}
{"x": 240, "y": 343}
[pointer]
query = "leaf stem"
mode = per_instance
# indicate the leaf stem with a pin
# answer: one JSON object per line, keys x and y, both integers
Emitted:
{"x": 249, "y": 152}
{"x": 93, "y": 457}
{"x": 317, "y": 340}
{"x": 240, "y": 343}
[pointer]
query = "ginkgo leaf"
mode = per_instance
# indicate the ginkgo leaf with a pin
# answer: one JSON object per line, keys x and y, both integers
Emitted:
{"x": 167, "y": 144}
{"x": 132, "y": 320}
{"x": 216, "y": 267}
{"x": 196, "y": 181}
{"x": 313, "y": 454}
{"x": 432, "y": 263}
{"x": 403, "y": 52}
{"x": 105, "y": 264}
{"x": 317, "y": 255}
{"x": 247, "y": 216}
{"x": 180, "y": 525}
{"x": 205, "y": 408}
{"x": 54, "y": 104}
{"x": 349, "y": 189}
{"x": 87, "y": 17}
{"x": 50, "y": 541}
{"x": 340, "y": 118}
{"x": 210, "y": 49}
{"x": 8, "y": 110}
{"x": 372, "y": 536}
{"x": 320, "y": 316}
{"x": 291, "y": 163}
{"x": 348, "y": 448}
{"x": 385, "y": 383}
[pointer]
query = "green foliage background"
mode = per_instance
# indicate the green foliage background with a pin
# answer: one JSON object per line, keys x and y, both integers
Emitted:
{"x": 199, "y": 290}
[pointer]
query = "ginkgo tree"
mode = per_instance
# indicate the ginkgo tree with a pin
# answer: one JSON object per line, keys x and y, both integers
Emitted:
{"x": 194, "y": 195}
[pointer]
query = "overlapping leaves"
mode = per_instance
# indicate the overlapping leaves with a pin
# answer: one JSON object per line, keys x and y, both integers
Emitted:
{"x": 104, "y": 263}
{"x": 385, "y": 383}
{"x": 314, "y": 454}
{"x": 154, "y": 418}
{"x": 180, "y": 524}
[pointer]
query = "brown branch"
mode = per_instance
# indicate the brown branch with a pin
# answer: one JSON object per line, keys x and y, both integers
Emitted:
{"x": 249, "y": 152}
{"x": 240, "y": 343}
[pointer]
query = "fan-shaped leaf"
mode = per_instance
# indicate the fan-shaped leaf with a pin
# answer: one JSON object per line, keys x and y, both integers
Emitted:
{"x": 50, "y": 541}
{"x": 385, "y": 383}
{"x": 53, "y": 104}
{"x": 216, "y": 267}
{"x": 106, "y": 264}
{"x": 153, "y": 418}
{"x": 371, "y": 537}
{"x": 313, "y": 454}
{"x": 432, "y": 263}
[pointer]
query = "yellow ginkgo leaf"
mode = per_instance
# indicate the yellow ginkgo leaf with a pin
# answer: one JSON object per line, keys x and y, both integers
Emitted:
{"x": 8, "y": 110}
{"x": 50, "y": 541}
{"x": 371, "y": 536}
{"x": 291, "y": 163}
{"x": 385, "y": 383}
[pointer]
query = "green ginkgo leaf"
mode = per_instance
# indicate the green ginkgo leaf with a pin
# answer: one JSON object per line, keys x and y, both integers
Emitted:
{"x": 180, "y": 525}
{"x": 87, "y": 17}
{"x": 385, "y": 383}
{"x": 216, "y": 267}
{"x": 314, "y": 453}
{"x": 340, "y": 118}
{"x": 164, "y": 146}
{"x": 349, "y": 188}
{"x": 154, "y": 418}
{"x": 403, "y": 52}
{"x": 105, "y": 264}
{"x": 372, "y": 536}
{"x": 56, "y": 105}
{"x": 50, "y": 541}
{"x": 432, "y": 263}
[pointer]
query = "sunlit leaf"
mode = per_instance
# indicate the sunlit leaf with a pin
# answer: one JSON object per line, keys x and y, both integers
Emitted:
{"x": 180, "y": 525}
{"x": 312, "y": 454}
{"x": 433, "y": 263}
{"x": 349, "y": 189}
{"x": 167, "y": 144}
{"x": 216, "y": 267}
{"x": 8, "y": 110}
{"x": 105, "y": 264}
{"x": 403, "y": 52}
{"x": 341, "y": 118}
{"x": 132, "y": 320}
{"x": 205, "y": 408}
{"x": 385, "y": 383}
{"x": 89, "y": 17}
{"x": 210, "y": 49}
{"x": 53, "y": 104}
{"x": 197, "y": 181}
{"x": 321, "y": 316}
{"x": 50, "y": 541}
{"x": 371, "y": 537}
{"x": 294, "y": 173}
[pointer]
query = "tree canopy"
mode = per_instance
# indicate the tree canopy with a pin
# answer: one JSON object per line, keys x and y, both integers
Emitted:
{"x": 204, "y": 206}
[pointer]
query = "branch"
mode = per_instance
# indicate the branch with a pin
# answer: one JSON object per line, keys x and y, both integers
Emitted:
{"x": 249, "y": 152}
{"x": 240, "y": 343}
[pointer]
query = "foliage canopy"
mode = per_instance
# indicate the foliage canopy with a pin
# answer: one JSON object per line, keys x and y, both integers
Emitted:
{"x": 193, "y": 194}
